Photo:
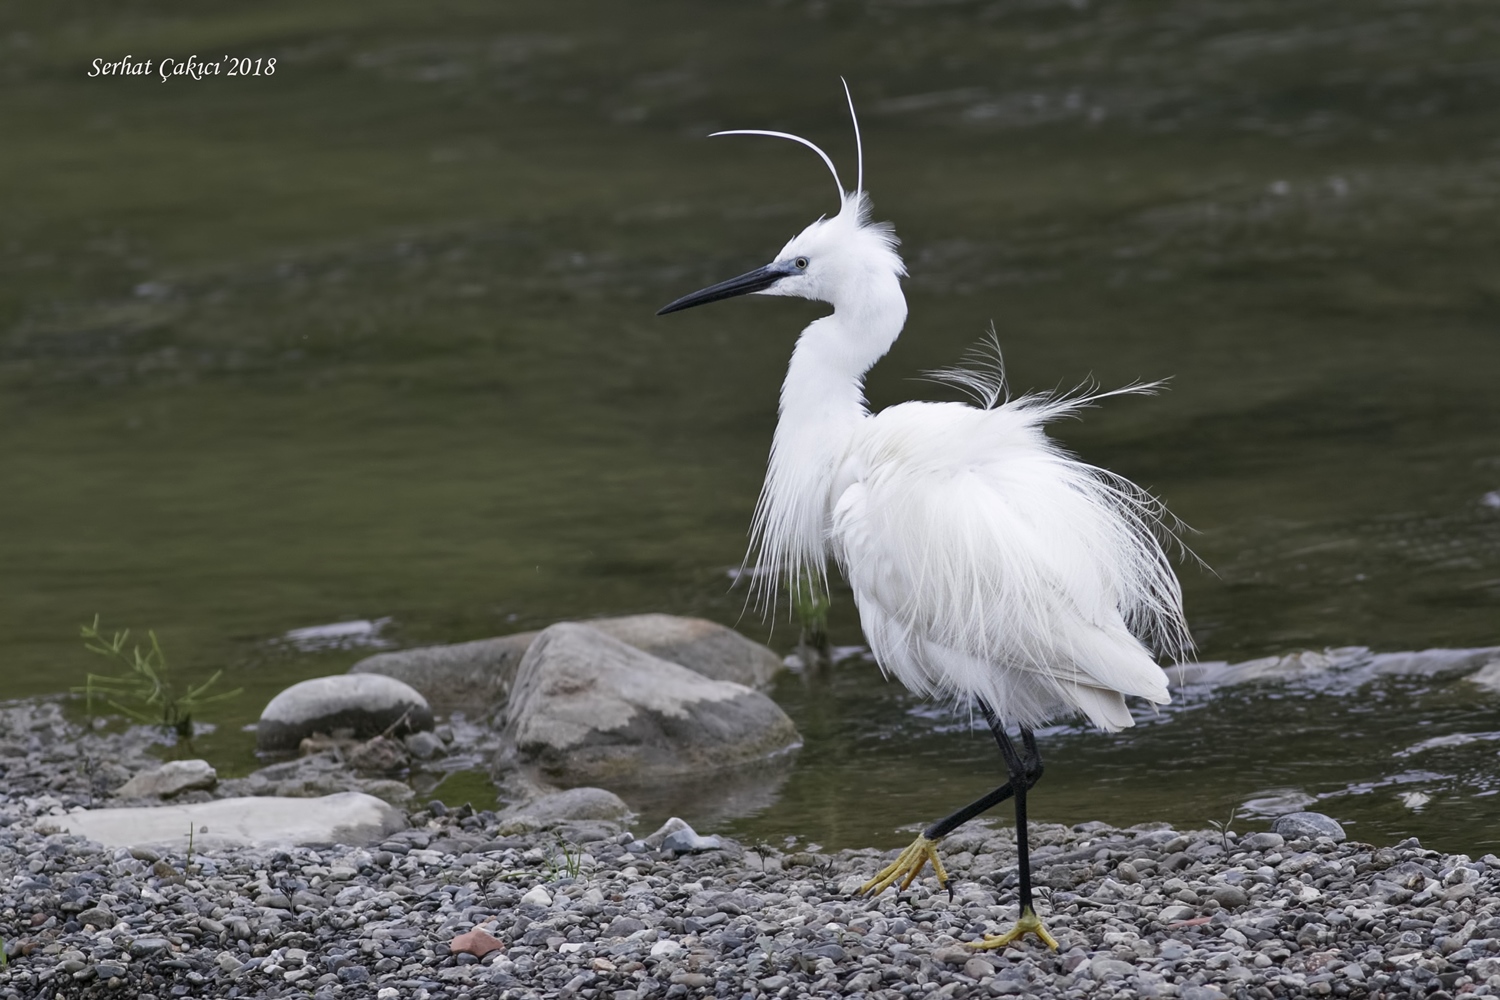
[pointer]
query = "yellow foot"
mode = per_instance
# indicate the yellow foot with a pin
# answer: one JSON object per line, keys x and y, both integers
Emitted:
{"x": 1028, "y": 924}
{"x": 910, "y": 864}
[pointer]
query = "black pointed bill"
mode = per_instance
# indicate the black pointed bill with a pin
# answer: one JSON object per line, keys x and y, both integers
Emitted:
{"x": 757, "y": 280}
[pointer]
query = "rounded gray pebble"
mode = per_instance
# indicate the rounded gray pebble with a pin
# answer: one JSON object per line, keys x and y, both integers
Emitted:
{"x": 1263, "y": 842}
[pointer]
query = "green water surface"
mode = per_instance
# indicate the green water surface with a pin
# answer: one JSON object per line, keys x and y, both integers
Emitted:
{"x": 373, "y": 337}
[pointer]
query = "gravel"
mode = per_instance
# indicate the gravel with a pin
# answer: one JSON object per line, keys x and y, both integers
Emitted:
{"x": 1141, "y": 912}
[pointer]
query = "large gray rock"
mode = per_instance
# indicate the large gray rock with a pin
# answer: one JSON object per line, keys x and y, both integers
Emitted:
{"x": 349, "y": 818}
{"x": 1309, "y": 825}
{"x": 172, "y": 778}
{"x": 589, "y": 709}
{"x": 363, "y": 705}
{"x": 476, "y": 677}
{"x": 468, "y": 677}
{"x": 704, "y": 647}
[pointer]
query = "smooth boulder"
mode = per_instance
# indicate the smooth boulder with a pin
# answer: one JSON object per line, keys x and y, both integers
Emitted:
{"x": 587, "y": 708}
{"x": 468, "y": 677}
{"x": 172, "y": 778}
{"x": 704, "y": 647}
{"x": 1308, "y": 826}
{"x": 361, "y": 705}
{"x": 262, "y": 821}
{"x": 476, "y": 677}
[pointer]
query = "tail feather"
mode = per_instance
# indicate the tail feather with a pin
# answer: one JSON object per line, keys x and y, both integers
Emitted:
{"x": 1105, "y": 709}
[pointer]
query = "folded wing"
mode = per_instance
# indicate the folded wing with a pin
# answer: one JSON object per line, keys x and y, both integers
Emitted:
{"x": 989, "y": 563}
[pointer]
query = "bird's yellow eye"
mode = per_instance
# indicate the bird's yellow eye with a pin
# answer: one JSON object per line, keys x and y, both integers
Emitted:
{"x": 800, "y": 263}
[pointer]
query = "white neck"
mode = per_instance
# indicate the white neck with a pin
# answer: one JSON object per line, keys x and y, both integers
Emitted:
{"x": 822, "y": 406}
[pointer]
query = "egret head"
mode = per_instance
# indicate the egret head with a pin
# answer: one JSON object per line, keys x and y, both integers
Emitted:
{"x": 832, "y": 260}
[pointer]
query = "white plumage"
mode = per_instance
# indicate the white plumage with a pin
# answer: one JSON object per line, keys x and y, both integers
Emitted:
{"x": 987, "y": 563}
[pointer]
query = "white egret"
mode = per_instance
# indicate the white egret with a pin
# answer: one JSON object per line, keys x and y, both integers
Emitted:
{"x": 989, "y": 565}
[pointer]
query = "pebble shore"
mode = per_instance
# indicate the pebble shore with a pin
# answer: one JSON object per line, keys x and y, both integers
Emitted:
{"x": 590, "y": 911}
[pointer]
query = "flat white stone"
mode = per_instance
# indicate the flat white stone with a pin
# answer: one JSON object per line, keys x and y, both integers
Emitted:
{"x": 352, "y": 818}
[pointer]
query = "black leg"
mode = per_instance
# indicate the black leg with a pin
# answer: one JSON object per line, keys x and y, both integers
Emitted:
{"x": 1024, "y": 771}
{"x": 1033, "y": 760}
{"x": 948, "y": 824}
{"x": 1019, "y": 779}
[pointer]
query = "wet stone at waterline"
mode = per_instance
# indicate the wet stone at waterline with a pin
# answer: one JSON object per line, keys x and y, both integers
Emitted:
{"x": 588, "y": 708}
{"x": 1308, "y": 825}
{"x": 476, "y": 677}
{"x": 356, "y": 705}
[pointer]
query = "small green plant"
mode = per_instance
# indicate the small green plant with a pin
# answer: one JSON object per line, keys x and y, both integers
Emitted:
{"x": 90, "y": 771}
{"x": 568, "y": 862}
{"x": 810, "y": 603}
{"x": 1223, "y": 827}
{"x": 762, "y": 849}
{"x": 145, "y": 691}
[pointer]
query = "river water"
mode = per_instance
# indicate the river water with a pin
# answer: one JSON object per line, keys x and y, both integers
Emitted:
{"x": 371, "y": 337}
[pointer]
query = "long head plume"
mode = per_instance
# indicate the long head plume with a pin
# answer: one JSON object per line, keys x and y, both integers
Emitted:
{"x": 859, "y": 148}
{"x": 859, "y": 151}
{"x": 786, "y": 545}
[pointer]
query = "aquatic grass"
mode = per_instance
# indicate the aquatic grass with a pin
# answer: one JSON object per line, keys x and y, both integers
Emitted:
{"x": 146, "y": 690}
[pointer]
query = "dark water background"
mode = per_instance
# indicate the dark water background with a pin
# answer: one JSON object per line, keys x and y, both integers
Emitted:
{"x": 372, "y": 337}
